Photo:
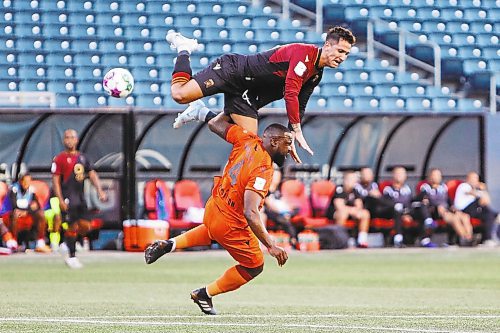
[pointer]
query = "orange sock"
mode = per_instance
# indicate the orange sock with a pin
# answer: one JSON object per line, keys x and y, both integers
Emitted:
{"x": 231, "y": 280}
{"x": 195, "y": 237}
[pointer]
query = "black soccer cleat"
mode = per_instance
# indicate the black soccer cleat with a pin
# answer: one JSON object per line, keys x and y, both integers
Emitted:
{"x": 200, "y": 297}
{"x": 157, "y": 249}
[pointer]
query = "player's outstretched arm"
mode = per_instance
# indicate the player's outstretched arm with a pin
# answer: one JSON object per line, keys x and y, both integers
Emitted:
{"x": 220, "y": 125}
{"x": 299, "y": 137}
{"x": 251, "y": 211}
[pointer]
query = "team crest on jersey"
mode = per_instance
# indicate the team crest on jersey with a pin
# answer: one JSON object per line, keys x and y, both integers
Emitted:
{"x": 79, "y": 171}
{"x": 300, "y": 68}
{"x": 209, "y": 83}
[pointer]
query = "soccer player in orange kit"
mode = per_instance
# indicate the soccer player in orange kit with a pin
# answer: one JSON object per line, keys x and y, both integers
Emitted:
{"x": 232, "y": 212}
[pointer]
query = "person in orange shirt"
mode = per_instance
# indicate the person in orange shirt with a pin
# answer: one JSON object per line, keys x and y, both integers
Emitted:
{"x": 232, "y": 212}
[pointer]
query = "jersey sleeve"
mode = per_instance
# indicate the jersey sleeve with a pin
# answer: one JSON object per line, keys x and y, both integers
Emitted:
{"x": 56, "y": 166}
{"x": 293, "y": 83}
{"x": 306, "y": 92}
{"x": 236, "y": 134}
{"x": 260, "y": 180}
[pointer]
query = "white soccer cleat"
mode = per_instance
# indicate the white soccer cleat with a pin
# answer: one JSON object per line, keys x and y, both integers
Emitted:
{"x": 192, "y": 113}
{"x": 73, "y": 262}
{"x": 182, "y": 43}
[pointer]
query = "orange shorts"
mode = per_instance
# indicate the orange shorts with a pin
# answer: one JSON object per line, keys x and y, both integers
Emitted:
{"x": 241, "y": 243}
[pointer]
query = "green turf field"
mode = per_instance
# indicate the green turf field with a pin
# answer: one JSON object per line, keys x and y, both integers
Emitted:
{"x": 410, "y": 290}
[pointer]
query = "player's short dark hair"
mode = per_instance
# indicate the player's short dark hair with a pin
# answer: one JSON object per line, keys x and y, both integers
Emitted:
{"x": 336, "y": 33}
{"x": 276, "y": 129}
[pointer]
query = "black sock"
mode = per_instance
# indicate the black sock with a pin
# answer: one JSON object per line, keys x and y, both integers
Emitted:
{"x": 209, "y": 116}
{"x": 182, "y": 67}
{"x": 71, "y": 242}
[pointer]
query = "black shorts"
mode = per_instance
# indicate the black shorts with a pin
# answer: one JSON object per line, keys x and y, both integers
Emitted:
{"x": 76, "y": 213}
{"x": 225, "y": 75}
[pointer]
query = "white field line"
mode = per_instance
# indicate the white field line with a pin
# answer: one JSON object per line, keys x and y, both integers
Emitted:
{"x": 333, "y": 315}
{"x": 205, "y": 324}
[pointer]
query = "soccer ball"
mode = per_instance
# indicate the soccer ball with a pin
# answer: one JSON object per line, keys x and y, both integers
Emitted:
{"x": 118, "y": 82}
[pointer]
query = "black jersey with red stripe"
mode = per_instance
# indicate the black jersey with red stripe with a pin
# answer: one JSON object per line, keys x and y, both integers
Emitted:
{"x": 289, "y": 71}
{"x": 73, "y": 168}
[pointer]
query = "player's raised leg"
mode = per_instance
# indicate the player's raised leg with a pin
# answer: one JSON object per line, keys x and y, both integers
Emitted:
{"x": 183, "y": 88}
{"x": 195, "y": 237}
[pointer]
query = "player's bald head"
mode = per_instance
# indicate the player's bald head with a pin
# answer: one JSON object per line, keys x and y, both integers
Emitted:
{"x": 277, "y": 140}
{"x": 70, "y": 139}
{"x": 275, "y": 130}
{"x": 70, "y": 133}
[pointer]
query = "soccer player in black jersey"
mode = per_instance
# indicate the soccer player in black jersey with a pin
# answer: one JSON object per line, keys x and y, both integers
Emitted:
{"x": 250, "y": 82}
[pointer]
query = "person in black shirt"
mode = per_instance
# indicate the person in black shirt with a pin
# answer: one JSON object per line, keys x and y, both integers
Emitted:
{"x": 406, "y": 208}
{"x": 347, "y": 204}
{"x": 435, "y": 198}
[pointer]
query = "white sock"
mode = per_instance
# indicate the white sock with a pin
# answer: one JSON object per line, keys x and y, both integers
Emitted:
{"x": 173, "y": 245}
{"x": 398, "y": 238}
{"x": 209, "y": 296}
{"x": 203, "y": 113}
{"x": 362, "y": 237}
{"x": 40, "y": 243}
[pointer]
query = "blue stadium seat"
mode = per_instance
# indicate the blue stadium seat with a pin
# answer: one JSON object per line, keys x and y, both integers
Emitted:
{"x": 443, "y": 104}
{"x": 468, "y": 105}
{"x": 149, "y": 100}
{"x": 60, "y": 72}
{"x": 61, "y": 86}
{"x": 67, "y": 100}
{"x": 392, "y": 104}
{"x": 33, "y": 85}
{"x": 366, "y": 103}
{"x": 135, "y": 18}
{"x": 157, "y": 6}
{"x": 9, "y": 84}
{"x": 105, "y": 5}
{"x": 92, "y": 100}
{"x": 142, "y": 59}
{"x": 31, "y": 57}
{"x": 89, "y": 86}
{"x": 88, "y": 59}
{"x": 80, "y": 6}
{"x": 384, "y": 90}
{"x": 108, "y": 18}
{"x": 411, "y": 90}
{"x": 28, "y": 72}
{"x": 76, "y": 18}
{"x": 418, "y": 104}
{"x": 487, "y": 39}
{"x": 339, "y": 103}
{"x": 81, "y": 31}
{"x": 360, "y": 90}
{"x": 474, "y": 65}
{"x": 333, "y": 89}
{"x": 356, "y": 76}
{"x": 491, "y": 52}
{"x": 54, "y": 30}
{"x": 186, "y": 20}
{"x": 89, "y": 72}
{"x": 334, "y": 13}
{"x": 143, "y": 73}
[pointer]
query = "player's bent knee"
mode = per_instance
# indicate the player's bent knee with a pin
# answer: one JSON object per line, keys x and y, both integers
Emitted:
{"x": 250, "y": 273}
{"x": 179, "y": 95}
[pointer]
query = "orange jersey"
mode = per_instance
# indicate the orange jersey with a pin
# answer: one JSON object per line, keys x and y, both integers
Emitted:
{"x": 249, "y": 168}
